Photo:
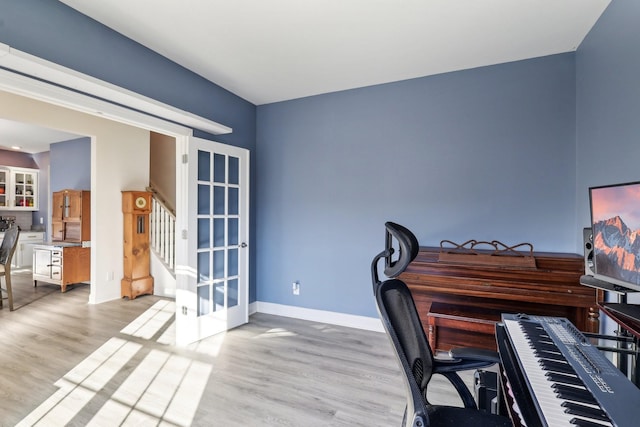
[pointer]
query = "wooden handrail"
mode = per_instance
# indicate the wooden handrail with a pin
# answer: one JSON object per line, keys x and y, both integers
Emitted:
{"x": 162, "y": 201}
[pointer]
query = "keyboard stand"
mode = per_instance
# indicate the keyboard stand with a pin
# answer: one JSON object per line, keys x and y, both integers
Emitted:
{"x": 627, "y": 356}
{"x": 628, "y": 319}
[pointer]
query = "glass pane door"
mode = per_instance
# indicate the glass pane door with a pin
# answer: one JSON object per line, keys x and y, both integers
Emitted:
{"x": 212, "y": 293}
{"x": 218, "y": 240}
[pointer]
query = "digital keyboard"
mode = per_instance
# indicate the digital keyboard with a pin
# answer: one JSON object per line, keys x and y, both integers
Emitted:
{"x": 557, "y": 378}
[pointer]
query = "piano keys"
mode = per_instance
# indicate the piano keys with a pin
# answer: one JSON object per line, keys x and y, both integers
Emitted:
{"x": 558, "y": 378}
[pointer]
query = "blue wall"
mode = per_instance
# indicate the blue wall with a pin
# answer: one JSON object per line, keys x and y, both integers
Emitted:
{"x": 608, "y": 107}
{"x": 504, "y": 152}
{"x": 487, "y": 153}
{"x": 55, "y": 32}
{"x": 76, "y": 152}
{"x": 608, "y": 103}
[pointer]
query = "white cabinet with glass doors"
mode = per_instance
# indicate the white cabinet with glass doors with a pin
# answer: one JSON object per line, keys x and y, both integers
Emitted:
{"x": 25, "y": 186}
{"x": 18, "y": 188}
{"x": 4, "y": 187}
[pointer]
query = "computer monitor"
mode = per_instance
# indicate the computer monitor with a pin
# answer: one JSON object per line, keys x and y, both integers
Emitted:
{"x": 615, "y": 223}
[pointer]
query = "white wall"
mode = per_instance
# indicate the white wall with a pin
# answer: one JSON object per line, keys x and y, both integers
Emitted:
{"x": 119, "y": 161}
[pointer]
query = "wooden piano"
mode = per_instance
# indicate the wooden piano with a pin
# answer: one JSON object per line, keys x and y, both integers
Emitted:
{"x": 460, "y": 302}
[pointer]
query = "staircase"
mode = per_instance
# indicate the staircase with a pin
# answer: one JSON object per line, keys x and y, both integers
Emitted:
{"x": 162, "y": 223}
{"x": 163, "y": 231}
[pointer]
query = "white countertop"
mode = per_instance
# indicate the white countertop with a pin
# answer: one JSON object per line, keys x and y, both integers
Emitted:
{"x": 59, "y": 244}
{"x": 35, "y": 235}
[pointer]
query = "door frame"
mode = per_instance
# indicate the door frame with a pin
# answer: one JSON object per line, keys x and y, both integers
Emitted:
{"x": 33, "y": 77}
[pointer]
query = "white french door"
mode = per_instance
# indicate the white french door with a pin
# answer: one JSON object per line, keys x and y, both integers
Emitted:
{"x": 212, "y": 291}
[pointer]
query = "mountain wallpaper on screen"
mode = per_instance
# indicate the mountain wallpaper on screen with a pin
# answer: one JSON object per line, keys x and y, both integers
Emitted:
{"x": 617, "y": 250}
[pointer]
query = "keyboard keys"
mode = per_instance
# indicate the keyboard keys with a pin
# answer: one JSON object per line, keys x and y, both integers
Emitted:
{"x": 553, "y": 380}
{"x": 585, "y": 423}
{"x": 556, "y": 377}
{"x": 585, "y": 411}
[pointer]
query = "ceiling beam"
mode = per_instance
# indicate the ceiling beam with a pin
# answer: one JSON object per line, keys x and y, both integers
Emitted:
{"x": 38, "y": 68}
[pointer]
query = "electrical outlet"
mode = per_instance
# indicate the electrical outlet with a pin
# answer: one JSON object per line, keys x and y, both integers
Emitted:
{"x": 296, "y": 288}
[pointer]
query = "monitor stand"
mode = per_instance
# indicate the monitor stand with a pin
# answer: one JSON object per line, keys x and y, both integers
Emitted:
{"x": 592, "y": 282}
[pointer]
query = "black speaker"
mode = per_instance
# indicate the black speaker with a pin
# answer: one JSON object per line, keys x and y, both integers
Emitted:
{"x": 587, "y": 239}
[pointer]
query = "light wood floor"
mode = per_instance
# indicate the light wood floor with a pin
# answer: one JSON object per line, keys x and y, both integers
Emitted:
{"x": 65, "y": 361}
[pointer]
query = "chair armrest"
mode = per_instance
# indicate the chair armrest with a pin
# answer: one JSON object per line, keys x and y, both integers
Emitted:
{"x": 479, "y": 354}
{"x": 462, "y": 359}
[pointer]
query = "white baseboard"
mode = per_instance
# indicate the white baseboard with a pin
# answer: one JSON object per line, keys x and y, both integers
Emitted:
{"x": 253, "y": 308}
{"x": 333, "y": 318}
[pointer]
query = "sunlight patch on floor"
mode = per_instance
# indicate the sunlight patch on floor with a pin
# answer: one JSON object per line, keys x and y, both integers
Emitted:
{"x": 210, "y": 346}
{"x": 149, "y": 323}
{"x": 168, "y": 337}
{"x": 275, "y": 333}
{"x": 162, "y": 389}
{"x": 82, "y": 383}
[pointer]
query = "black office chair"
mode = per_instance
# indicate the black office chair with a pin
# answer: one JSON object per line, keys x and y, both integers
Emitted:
{"x": 402, "y": 323}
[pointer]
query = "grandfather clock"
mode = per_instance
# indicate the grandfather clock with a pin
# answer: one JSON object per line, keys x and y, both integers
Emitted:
{"x": 136, "y": 207}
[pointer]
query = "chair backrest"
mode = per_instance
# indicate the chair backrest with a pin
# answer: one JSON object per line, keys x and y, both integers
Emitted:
{"x": 9, "y": 244}
{"x": 407, "y": 247}
{"x": 394, "y": 264}
{"x": 401, "y": 321}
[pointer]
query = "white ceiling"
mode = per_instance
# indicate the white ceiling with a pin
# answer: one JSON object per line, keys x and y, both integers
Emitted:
{"x": 30, "y": 138}
{"x": 273, "y": 50}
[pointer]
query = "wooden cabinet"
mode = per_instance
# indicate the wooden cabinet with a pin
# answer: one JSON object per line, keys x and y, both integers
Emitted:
{"x": 459, "y": 304}
{"x": 69, "y": 261}
{"x": 57, "y": 202}
{"x": 61, "y": 265}
{"x": 70, "y": 216}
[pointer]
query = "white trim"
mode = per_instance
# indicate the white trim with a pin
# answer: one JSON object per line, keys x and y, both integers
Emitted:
{"x": 30, "y": 65}
{"x": 331, "y": 317}
{"x": 62, "y": 97}
{"x": 253, "y": 308}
